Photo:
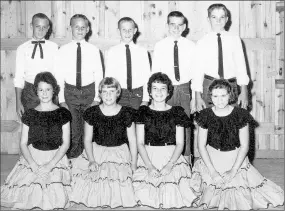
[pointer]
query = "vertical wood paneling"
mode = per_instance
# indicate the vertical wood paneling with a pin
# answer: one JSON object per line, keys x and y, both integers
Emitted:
{"x": 250, "y": 19}
{"x": 8, "y": 19}
{"x": 58, "y": 18}
{"x": 21, "y": 18}
{"x": 112, "y": 14}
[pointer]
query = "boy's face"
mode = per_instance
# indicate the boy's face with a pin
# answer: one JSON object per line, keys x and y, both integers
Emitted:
{"x": 176, "y": 26}
{"x": 127, "y": 31}
{"x": 218, "y": 20}
{"x": 40, "y": 28}
{"x": 79, "y": 29}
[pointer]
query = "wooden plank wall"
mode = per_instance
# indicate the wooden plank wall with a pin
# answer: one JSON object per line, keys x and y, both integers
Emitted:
{"x": 257, "y": 22}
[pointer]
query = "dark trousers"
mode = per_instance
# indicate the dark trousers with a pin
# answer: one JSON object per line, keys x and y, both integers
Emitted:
{"x": 206, "y": 83}
{"x": 29, "y": 97}
{"x": 182, "y": 97}
{"x": 132, "y": 99}
{"x": 78, "y": 101}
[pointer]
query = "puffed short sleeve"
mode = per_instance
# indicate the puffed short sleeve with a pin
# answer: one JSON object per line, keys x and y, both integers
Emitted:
{"x": 244, "y": 118}
{"x": 27, "y": 117}
{"x": 202, "y": 118}
{"x": 140, "y": 115}
{"x": 89, "y": 115}
{"x": 181, "y": 118}
{"x": 130, "y": 116}
{"x": 65, "y": 116}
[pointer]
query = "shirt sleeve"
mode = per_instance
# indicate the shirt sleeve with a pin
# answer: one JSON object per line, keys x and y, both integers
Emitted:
{"x": 19, "y": 80}
{"x": 59, "y": 74}
{"x": 241, "y": 72}
{"x": 98, "y": 74}
{"x": 110, "y": 66}
{"x": 156, "y": 59}
{"x": 198, "y": 77}
{"x": 146, "y": 67}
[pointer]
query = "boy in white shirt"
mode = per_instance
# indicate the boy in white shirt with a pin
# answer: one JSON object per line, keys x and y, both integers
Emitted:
{"x": 220, "y": 55}
{"x": 32, "y": 57}
{"x": 79, "y": 72}
{"x": 129, "y": 64}
{"x": 175, "y": 56}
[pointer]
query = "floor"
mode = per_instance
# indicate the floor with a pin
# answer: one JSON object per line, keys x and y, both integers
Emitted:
{"x": 272, "y": 169}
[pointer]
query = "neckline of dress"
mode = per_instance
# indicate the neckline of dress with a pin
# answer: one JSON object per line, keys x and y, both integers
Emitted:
{"x": 225, "y": 115}
{"x": 111, "y": 115}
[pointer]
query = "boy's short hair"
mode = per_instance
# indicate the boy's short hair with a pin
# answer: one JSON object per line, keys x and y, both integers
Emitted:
{"x": 41, "y": 16}
{"x": 217, "y": 6}
{"x": 79, "y": 16}
{"x": 110, "y": 82}
{"x": 163, "y": 79}
{"x": 48, "y": 78}
{"x": 221, "y": 84}
{"x": 175, "y": 14}
{"x": 126, "y": 19}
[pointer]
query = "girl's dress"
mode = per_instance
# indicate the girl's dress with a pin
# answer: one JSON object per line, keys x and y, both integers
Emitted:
{"x": 180, "y": 188}
{"x": 110, "y": 186}
{"x": 24, "y": 189}
{"x": 248, "y": 189}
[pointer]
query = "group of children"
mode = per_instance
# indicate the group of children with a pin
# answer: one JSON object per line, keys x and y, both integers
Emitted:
{"x": 119, "y": 140}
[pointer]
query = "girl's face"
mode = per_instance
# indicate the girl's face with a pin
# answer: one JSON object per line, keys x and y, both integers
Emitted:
{"x": 159, "y": 91}
{"x": 45, "y": 92}
{"x": 220, "y": 98}
{"x": 109, "y": 95}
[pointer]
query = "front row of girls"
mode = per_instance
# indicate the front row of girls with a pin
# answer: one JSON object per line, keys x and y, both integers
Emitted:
{"x": 124, "y": 166}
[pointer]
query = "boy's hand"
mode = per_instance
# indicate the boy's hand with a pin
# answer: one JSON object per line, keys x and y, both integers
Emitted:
{"x": 64, "y": 105}
{"x": 134, "y": 167}
{"x": 243, "y": 100}
{"x": 200, "y": 104}
{"x": 19, "y": 108}
{"x": 34, "y": 167}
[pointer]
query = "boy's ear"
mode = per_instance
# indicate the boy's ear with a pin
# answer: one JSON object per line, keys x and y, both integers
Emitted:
{"x": 31, "y": 25}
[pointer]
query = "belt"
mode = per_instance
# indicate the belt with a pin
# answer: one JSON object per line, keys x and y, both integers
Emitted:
{"x": 160, "y": 144}
{"x": 231, "y": 80}
{"x": 74, "y": 88}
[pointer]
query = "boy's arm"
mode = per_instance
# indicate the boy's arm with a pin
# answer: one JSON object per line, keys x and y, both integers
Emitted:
{"x": 146, "y": 69}
{"x": 157, "y": 59}
{"x": 198, "y": 78}
{"x": 19, "y": 80}
{"x": 98, "y": 76}
{"x": 241, "y": 72}
{"x": 59, "y": 75}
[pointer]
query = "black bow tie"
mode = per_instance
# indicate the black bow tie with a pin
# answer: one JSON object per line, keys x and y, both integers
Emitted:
{"x": 35, "y": 48}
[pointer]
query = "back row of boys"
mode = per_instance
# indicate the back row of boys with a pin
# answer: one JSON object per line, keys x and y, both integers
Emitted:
{"x": 77, "y": 67}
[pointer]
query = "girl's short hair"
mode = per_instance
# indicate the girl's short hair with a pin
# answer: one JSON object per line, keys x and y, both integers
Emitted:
{"x": 110, "y": 82}
{"x": 162, "y": 78}
{"x": 221, "y": 84}
{"x": 48, "y": 78}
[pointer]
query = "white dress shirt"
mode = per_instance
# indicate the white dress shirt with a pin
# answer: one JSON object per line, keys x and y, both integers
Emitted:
{"x": 116, "y": 66}
{"x": 163, "y": 59}
{"x": 207, "y": 59}
{"x": 91, "y": 66}
{"x": 27, "y": 68}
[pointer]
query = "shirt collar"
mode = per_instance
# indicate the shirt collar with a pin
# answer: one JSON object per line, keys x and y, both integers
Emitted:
{"x": 33, "y": 39}
{"x": 171, "y": 39}
{"x": 131, "y": 44}
{"x": 82, "y": 42}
